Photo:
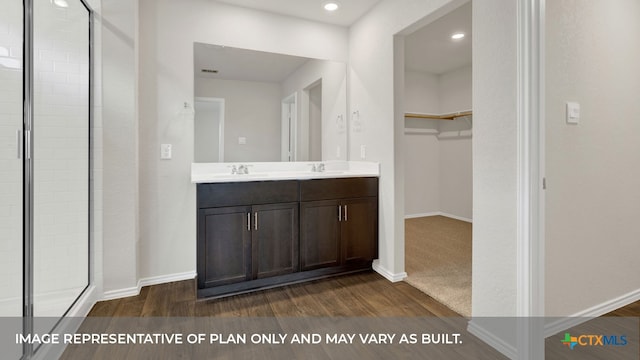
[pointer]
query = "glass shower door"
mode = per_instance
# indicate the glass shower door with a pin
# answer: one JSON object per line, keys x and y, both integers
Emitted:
{"x": 61, "y": 123}
{"x": 11, "y": 169}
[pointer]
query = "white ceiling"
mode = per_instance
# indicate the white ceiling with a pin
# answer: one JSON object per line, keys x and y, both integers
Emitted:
{"x": 430, "y": 49}
{"x": 241, "y": 64}
{"x": 349, "y": 12}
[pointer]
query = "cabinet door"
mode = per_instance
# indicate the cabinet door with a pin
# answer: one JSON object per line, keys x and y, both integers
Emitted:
{"x": 275, "y": 239}
{"x": 359, "y": 229}
{"x": 319, "y": 234}
{"x": 224, "y": 253}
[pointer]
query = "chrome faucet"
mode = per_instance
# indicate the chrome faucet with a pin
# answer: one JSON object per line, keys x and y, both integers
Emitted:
{"x": 243, "y": 169}
{"x": 234, "y": 170}
{"x": 317, "y": 167}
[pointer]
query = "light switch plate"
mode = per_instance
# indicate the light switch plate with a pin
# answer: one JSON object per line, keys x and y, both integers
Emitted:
{"x": 363, "y": 152}
{"x": 165, "y": 151}
{"x": 242, "y": 140}
{"x": 573, "y": 112}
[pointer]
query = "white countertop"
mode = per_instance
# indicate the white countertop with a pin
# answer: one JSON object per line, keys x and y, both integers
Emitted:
{"x": 272, "y": 171}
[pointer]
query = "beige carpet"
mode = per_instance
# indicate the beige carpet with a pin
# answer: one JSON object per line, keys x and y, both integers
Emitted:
{"x": 438, "y": 260}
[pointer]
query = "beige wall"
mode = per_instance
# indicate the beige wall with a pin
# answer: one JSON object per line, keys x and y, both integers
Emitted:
{"x": 438, "y": 172}
{"x": 252, "y": 110}
{"x": 456, "y": 177}
{"x": 120, "y": 145}
{"x": 421, "y": 174}
{"x": 494, "y": 159}
{"x": 422, "y": 92}
{"x": 456, "y": 90}
{"x": 167, "y": 31}
{"x": 376, "y": 61}
{"x": 592, "y": 169}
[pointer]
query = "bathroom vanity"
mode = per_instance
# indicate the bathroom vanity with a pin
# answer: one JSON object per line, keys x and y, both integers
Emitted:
{"x": 262, "y": 229}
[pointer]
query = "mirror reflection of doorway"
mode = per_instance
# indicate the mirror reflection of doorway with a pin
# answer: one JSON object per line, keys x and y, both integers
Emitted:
{"x": 289, "y": 120}
{"x": 302, "y": 135}
{"x": 209, "y": 124}
{"x": 315, "y": 122}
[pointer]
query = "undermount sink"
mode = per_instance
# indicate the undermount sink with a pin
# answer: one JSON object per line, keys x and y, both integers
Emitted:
{"x": 224, "y": 172}
{"x": 240, "y": 175}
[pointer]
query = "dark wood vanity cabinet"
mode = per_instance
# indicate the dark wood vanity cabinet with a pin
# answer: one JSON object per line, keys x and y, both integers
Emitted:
{"x": 246, "y": 231}
{"x": 224, "y": 246}
{"x": 319, "y": 234}
{"x": 242, "y": 243}
{"x": 274, "y": 240}
{"x": 359, "y": 230}
{"x": 339, "y": 223}
{"x": 254, "y": 235}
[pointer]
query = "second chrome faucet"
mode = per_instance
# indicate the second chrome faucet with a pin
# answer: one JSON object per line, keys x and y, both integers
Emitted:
{"x": 240, "y": 169}
{"x": 317, "y": 167}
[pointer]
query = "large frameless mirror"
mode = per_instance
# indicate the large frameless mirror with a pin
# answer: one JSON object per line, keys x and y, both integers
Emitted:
{"x": 261, "y": 106}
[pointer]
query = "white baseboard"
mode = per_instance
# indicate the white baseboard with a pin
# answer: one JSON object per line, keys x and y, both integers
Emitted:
{"x": 121, "y": 293}
{"x": 69, "y": 324}
{"x": 438, "y": 213}
{"x": 393, "y": 277}
{"x": 85, "y": 303}
{"x": 413, "y": 216}
{"x": 492, "y": 340}
{"x": 565, "y": 323}
{"x": 456, "y": 217}
{"x": 154, "y": 280}
{"x": 163, "y": 279}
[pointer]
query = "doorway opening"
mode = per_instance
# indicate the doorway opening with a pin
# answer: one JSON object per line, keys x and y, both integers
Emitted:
{"x": 209, "y": 124}
{"x": 311, "y": 128}
{"x": 289, "y": 125}
{"x": 438, "y": 158}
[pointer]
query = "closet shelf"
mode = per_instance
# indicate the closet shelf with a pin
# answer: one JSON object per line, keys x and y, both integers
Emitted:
{"x": 449, "y": 116}
{"x": 421, "y": 131}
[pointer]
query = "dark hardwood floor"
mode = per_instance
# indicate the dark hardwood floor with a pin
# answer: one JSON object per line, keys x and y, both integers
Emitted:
{"x": 363, "y": 294}
{"x": 357, "y": 295}
{"x": 351, "y": 297}
{"x": 357, "y": 303}
{"x": 631, "y": 310}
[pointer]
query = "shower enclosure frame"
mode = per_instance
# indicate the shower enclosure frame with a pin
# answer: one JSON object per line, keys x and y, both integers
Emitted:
{"x": 28, "y": 168}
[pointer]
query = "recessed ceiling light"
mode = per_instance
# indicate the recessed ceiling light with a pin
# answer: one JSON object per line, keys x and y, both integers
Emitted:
{"x": 331, "y": 6}
{"x": 457, "y": 36}
{"x": 60, "y": 3}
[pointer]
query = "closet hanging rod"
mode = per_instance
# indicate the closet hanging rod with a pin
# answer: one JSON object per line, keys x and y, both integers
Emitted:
{"x": 449, "y": 116}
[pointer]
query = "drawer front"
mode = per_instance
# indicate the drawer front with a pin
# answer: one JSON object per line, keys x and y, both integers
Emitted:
{"x": 247, "y": 193}
{"x": 342, "y": 188}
